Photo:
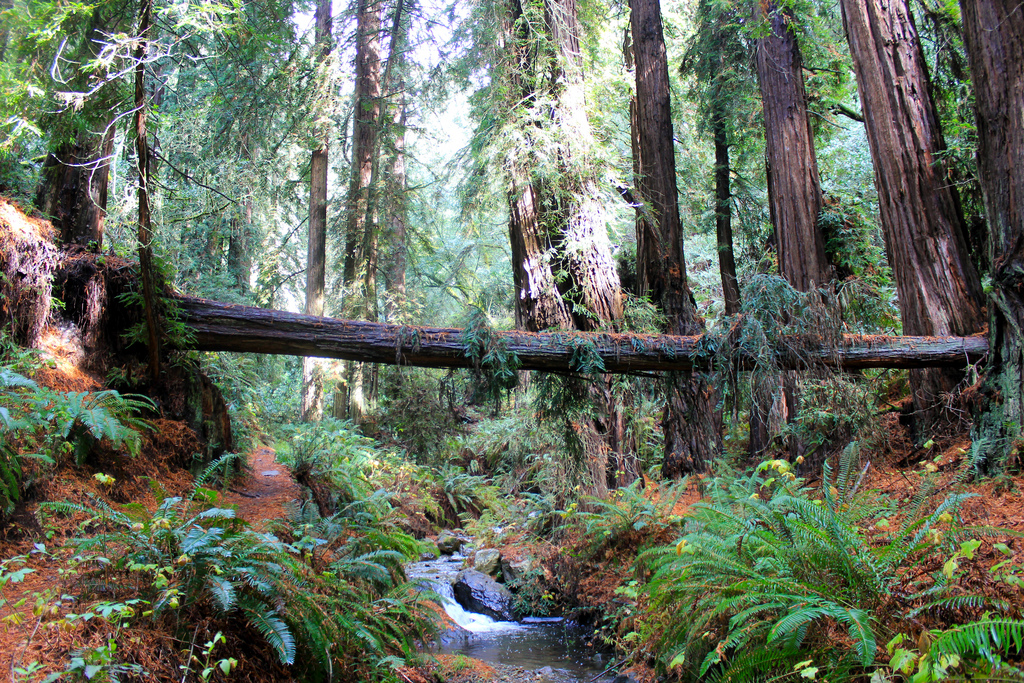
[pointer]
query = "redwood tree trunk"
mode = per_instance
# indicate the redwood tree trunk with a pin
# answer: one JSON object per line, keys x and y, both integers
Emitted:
{"x": 364, "y": 149}
{"x": 938, "y": 287}
{"x": 994, "y": 33}
{"x": 794, "y": 190}
{"x": 558, "y": 224}
{"x": 690, "y": 423}
{"x": 312, "y": 399}
{"x": 364, "y": 140}
{"x": 397, "y": 217}
{"x": 74, "y": 187}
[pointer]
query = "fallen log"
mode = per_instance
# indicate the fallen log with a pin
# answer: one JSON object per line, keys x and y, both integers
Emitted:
{"x": 228, "y": 327}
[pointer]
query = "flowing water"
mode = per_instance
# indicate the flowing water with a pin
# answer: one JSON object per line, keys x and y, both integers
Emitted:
{"x": 553, "y": 648}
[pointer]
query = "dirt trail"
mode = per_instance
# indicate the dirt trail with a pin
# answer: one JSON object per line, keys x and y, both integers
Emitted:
{"x": 262, "y": 495}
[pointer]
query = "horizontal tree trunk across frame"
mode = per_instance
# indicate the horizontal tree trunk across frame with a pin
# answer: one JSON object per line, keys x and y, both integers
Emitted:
{"x": 228, "y": 327}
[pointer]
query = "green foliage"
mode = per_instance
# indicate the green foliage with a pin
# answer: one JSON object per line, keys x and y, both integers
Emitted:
{"x": 461, "y": 493}
{"x": 421, "y": 411}
{"x": 495, "y": 367}
{"x": 630, "y": 513}
{"x": 765, "y": 563}
{"x": 47, "y": 426}
{"x": 332, "y": 452}
{"x": 347, "y": 608}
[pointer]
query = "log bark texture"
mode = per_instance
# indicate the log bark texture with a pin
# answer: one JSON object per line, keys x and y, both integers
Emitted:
{"x": 228, "y": 327}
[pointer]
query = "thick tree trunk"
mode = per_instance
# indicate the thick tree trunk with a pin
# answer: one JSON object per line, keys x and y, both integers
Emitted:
{"x": 74, "y": 187}
{"x": 311, "y": 404}
{"x": 558, "y": 224}
{"x": 994, "y": 33}
{"x": 690, "y": 423}
{"x": 367, "y": 104}
{"x": 230, "y": 327}
{"x": 938, "y": 287}
{"x": 723, "y": 213}
{"x": 364, "y": 139}
{"x": 794, "y": 190}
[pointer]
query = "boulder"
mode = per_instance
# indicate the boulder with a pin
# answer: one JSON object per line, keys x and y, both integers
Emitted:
{"x": 479, "y": 593}
{"x": 487, "y": 561}
{"x": 513, "y": 571}
{"x": 448, "y": 543}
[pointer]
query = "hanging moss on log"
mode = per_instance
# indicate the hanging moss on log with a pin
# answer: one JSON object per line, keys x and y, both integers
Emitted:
{"x": 227, "y": 327}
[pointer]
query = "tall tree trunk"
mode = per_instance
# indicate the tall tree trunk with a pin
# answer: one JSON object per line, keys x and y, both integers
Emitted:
{"x": 723, "y": 212}
{"x": 689, "y": 423}
{"x": 367, "y": 103}
{"x": 311, "y": 406}
{"x": 794, "y": 190}
{"x": 364, "y": 148}
{"x": 397, "y": 215}
{"x": 145, "y": 229}
{"x": 994, "y": 33}
{"x": 557, "y": 225}
{"x": 937, "y": 284}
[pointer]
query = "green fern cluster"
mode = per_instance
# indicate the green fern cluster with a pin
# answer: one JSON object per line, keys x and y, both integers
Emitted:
{"x": 346, "y": 608}
{"x": 45, "y": 425}
{"x": 629, "y": 512}
{"x": 769, "y": 574}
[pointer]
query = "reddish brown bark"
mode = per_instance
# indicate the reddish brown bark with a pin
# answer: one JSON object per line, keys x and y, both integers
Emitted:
{"x": 794, "y": 190}
{"x": 690, "y": 423}
{"x": 994, "y": 33}
{"x": 229, "y": 327}
{"x": 937, "y": 284}
{"x": 723, "y": 214}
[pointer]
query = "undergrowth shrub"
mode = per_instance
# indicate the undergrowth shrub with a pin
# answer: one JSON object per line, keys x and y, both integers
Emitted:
{"x": 771, "y": 575}
{"x": 630, "y": 515}
{"x": 49, "y": 427}
{"x": 421, "y": 410}
{"x": 330, "y": 599}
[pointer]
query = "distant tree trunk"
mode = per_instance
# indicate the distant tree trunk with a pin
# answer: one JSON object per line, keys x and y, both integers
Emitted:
{"x": 938, "y": 287}
{"x": 145, "y": 233}
{"x": 690, "y": 422}
{"x": 311, "y": 408}
{"x": 364, "y": 149}
{"x": 723, "y": 213}
{"x": 397, "y": 216}
{"x": 994, "y": 33}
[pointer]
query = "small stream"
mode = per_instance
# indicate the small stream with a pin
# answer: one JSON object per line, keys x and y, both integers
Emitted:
{"x": 551, "y": 650}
